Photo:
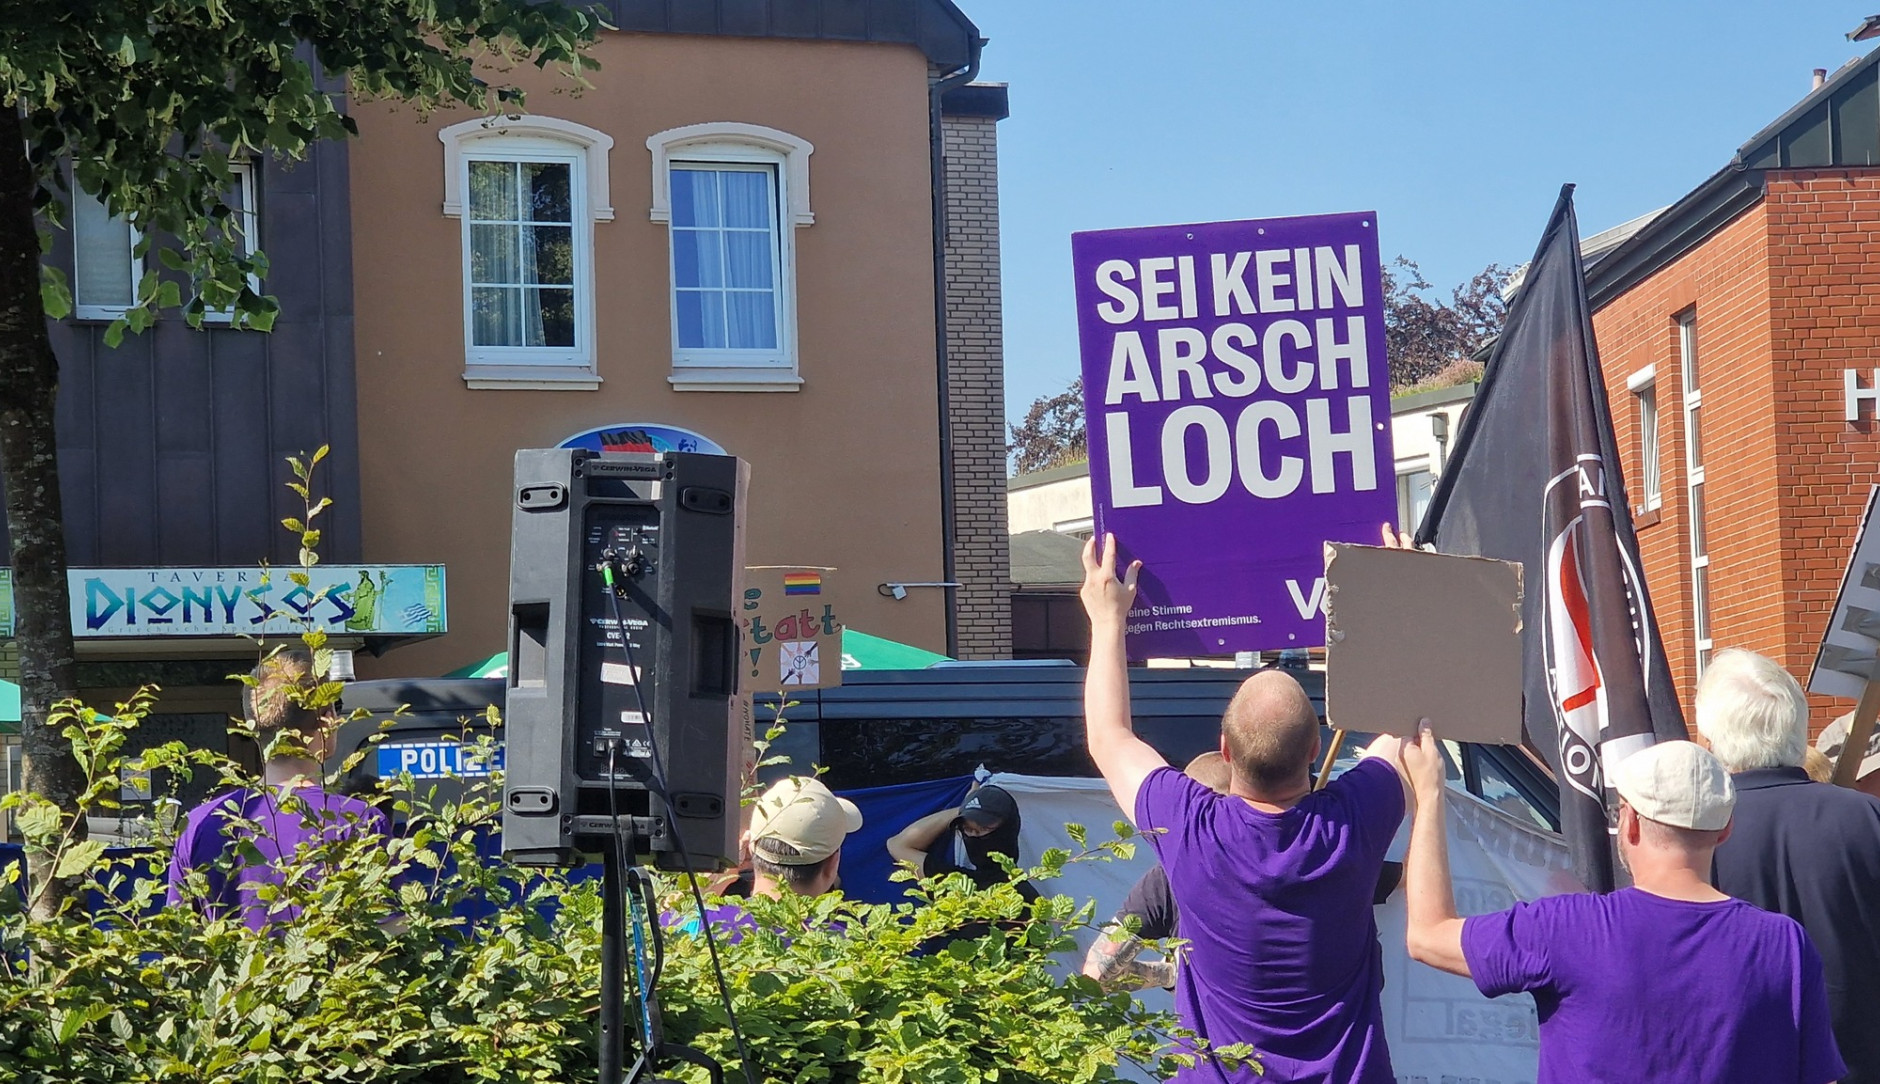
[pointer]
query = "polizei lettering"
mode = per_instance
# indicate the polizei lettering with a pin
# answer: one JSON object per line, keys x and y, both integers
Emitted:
{"x": 1259, "y": 402}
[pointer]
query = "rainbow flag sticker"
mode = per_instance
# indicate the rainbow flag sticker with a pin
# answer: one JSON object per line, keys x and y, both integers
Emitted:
{"x": 802, "y": 583}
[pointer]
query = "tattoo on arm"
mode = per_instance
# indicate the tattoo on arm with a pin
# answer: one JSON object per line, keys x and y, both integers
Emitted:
{"x": 1113, "y": 963}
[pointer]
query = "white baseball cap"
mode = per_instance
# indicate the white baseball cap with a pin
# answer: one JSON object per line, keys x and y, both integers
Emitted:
{"x": 1678, "y": 783}
{"x": 806, "y": 815}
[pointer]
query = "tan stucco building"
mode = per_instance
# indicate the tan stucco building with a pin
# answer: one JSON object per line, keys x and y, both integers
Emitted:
{"x": 730, "y": 237}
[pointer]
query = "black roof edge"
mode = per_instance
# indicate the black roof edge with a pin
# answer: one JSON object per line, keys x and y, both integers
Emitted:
{"x": 977, "y": 100}
{"x": 1710, "y": 206}
{"x": 1750, "y": 148}
{"x": 938, "y": 28}
{"x": 1703, "y": 211}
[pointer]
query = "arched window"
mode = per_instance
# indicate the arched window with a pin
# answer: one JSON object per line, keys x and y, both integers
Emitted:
{"x": 529, "y": 190}
{"x": 732, "y": 196}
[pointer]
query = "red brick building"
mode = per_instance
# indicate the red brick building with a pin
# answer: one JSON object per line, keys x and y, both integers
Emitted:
{"x": 1740, "y": 334}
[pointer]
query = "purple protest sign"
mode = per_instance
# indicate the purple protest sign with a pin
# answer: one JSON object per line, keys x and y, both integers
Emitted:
{"x": 1238, "y": 410}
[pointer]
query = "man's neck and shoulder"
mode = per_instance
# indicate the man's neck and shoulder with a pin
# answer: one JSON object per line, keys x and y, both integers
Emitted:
{"x": 1790, "y": 789}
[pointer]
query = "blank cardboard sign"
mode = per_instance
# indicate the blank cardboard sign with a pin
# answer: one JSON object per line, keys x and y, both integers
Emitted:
{"x": 1413, "y": 635}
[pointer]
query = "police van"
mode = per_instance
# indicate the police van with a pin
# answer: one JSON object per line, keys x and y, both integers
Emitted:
{"x": 885, "y": 727}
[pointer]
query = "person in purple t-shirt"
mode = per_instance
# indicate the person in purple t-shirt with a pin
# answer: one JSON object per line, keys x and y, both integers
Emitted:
{"x": 1666, "y": 982}
{"x": 283, "y": 819}
{"x": 1274, "y": 880}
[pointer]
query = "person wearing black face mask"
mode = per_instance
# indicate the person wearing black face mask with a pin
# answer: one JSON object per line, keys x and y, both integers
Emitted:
{"x": 965, "y": 840}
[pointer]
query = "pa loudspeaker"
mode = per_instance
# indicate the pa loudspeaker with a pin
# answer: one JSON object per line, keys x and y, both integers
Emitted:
{"x": 623, "y": 572}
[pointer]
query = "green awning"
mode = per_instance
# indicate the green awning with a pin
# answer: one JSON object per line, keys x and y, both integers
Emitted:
{"x": 495, "y": 666}
{"x": 860, "y": 651}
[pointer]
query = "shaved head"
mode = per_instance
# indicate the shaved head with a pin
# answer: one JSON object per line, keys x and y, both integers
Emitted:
{"x": 1270, "y": 731}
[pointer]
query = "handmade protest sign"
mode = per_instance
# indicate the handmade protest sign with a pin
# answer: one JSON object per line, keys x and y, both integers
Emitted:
{"x": 1411, "y": 635}
{"x": 792, "y": 631}
{"x": 1845, "y": 664}
{"x": 1237, "y": 405}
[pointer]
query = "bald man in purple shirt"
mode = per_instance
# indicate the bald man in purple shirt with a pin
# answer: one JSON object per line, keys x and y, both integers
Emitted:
{"x": 1274, "y": 880}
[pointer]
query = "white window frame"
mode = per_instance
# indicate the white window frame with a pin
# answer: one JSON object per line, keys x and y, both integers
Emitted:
{"x": 80, "y": 310}
{"x": 244, "y": 172}
{"x": 529, "y": 138}
{"x": 1696, "y": 508}
{"x": 1651, "y": 433}
{"x": 1405, "y": 470}
{"x": 734, "y": 145}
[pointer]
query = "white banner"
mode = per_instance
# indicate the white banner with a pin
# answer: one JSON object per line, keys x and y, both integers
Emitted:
{"x": 1439, "y": 1027}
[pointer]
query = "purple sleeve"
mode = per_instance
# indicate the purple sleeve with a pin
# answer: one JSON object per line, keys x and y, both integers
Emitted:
{"x": 197, "y": 845}
{"x": 1821, "y": 1058}
{"x": 1374, "y": 792}
{"x": 1508, "y": 951}
{"x": 1166, "y": 807}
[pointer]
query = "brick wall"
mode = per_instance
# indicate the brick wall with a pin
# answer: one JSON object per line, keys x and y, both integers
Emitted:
{"x": 1786, "y": 297}
{"x": 1824, "y": 256}
{"x": 976, "y": 388}
{"x": 1724, "y": 284}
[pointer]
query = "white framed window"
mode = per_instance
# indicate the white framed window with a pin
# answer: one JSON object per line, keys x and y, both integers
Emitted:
{"x": 1415, "y": 484}
{"x": 732, "y": 196}
{"x": 528, "y": 191}
{"x": 105, "y": 265}
{"x": 1644, "y": 388}
{"x": 246, "y": 222}
{"x": 1694, "y": 489}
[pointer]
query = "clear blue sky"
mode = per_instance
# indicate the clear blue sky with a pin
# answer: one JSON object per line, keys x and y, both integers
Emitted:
{"x": 1455, "y": 121}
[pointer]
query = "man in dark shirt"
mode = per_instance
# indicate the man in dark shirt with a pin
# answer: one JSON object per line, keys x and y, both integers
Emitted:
{"x": 1112, "y": 960}
{"x": 1804, "y": 849}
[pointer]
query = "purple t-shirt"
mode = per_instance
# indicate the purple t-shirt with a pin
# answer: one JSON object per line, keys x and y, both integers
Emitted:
{"x": 1276, "y": 908}
{"x": 1636, "y": 988}
{"x": 279, "y": 823}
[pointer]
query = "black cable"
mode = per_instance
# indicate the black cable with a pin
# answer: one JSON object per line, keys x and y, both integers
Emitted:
{"x": 624, "y": 860}
{"x": 658, "y": 773}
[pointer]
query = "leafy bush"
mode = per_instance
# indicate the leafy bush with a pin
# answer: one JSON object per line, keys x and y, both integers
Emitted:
{"x": 423, "y": 958}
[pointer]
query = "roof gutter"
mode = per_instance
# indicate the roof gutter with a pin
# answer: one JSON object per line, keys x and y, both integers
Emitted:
{"x": 936, "y": 145}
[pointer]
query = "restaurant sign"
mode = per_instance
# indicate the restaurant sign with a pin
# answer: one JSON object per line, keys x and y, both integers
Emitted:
{"x": 343, "y": 600}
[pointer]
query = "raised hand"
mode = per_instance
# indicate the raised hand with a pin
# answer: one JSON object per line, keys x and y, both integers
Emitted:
{"x": 1422, "y": 760}
{"x": 1106, "y": 598}
{"x": 1397, "y": 540}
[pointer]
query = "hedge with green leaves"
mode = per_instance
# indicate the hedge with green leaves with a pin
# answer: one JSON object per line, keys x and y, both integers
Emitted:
{"x": 380, "y": 979}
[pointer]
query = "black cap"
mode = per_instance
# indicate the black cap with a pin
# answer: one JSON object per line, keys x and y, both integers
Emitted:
{"x": 989, "y": 806}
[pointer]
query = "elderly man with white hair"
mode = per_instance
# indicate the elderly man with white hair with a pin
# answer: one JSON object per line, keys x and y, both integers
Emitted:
{"x": 1798, "y": 847}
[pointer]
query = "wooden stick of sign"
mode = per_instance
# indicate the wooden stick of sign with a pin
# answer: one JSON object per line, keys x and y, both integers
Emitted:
{"x": 1859, "y": 732}
{"x": 1331, "y": 754}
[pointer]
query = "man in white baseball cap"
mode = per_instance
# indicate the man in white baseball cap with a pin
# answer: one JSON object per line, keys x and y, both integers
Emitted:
{"x": 796, "y": 835}
{"x": 1666, "y": 982}
{"x": 795, "y": 845}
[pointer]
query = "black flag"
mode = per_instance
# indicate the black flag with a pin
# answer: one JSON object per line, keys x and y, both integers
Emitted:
{"x": 1535, "y": 478}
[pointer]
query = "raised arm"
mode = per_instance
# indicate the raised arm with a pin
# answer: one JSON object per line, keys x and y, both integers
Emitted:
{"x": 1434, "y": 933}
{"x": 912, "y": 843}
{"x": 1124, "y": 759}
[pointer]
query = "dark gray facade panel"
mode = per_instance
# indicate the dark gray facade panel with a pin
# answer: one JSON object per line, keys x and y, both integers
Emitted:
{"x": 186, "y": 530}
{"x": 342, "y": 524}
{"x": 845, "y": 20}
{"x": 125, "y": 443}
{"x": 290, "y": 236}
{"x": 744, "y": 18}
{"x": 183, "y": 390}
{"x": 895, "y": 20}
{"x": 1805, "y": 143}
{"x": 797, "y": 18}
{"x": 246, "y": 473}
{"x": 171, "y": 445}
{"x": 1855, "y": 113}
